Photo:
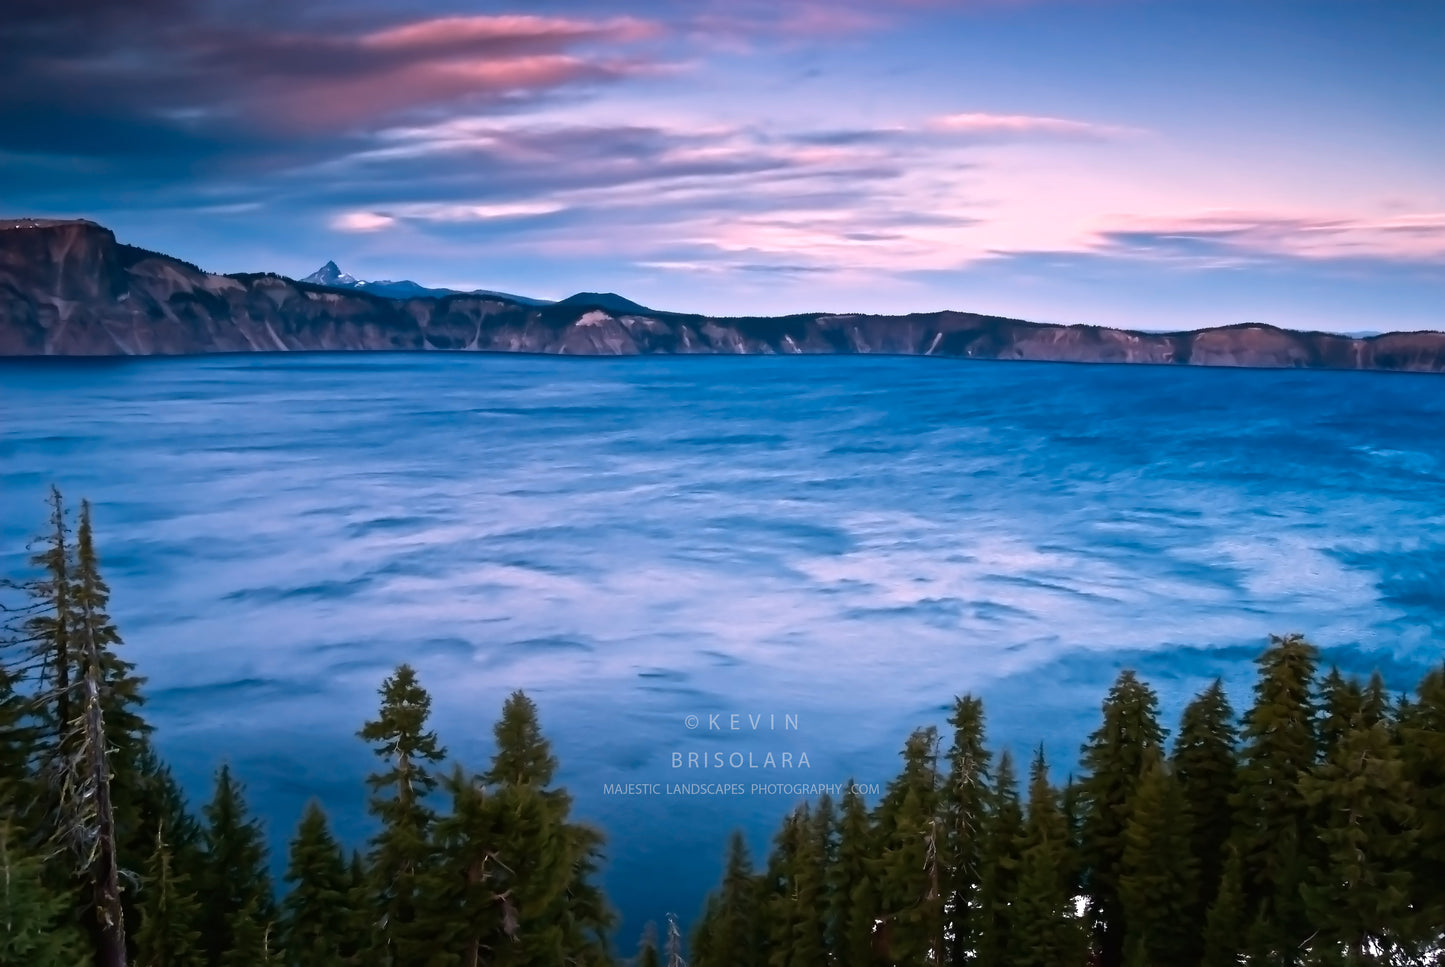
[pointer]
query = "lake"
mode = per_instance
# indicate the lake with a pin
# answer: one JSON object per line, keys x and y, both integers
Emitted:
{"x": 827, "y": 548}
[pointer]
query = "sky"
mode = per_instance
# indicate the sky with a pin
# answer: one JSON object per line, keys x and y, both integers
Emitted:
{"x": 1151, "y": 164}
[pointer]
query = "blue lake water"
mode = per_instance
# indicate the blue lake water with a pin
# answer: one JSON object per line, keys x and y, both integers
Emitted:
{"x": 844, "y": 543}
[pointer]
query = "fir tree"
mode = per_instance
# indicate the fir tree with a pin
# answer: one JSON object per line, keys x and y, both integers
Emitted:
{"x": 733, "y": 935}
{"x": 1157, "y": 881}
{"x": 401, "y": 854}
{"x": 169, "y": 914}
{"x": 1205, "y": 766}
{"x": 1046, "y": 932}
{"x": 36, "y": 926}
{"x": 1359, "y": 898}
{"x": 964, "y": 806}
{"x": 319, "y": 924}
{"x": 1422, "y": 735}
{"x": 235, "y": 889}
{"x": 647, "y": 953}
{"x": 998, "y": 881}
{"x": 545, "y": 861}
{"x": 1224, "y": 926}
{"x": 1114, "y": 757}
{"x": 910, "y": 868}
{"x": 1279, "y": 747}
{"x": 852, "y": 901}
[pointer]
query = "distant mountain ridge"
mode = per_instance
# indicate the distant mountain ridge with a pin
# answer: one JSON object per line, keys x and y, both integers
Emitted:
{"x": 69, "y": 288}
{"x": 331, "y": 276}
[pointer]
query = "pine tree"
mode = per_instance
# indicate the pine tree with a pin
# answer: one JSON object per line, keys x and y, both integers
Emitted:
{"x": 852, "y": 904}
{"x": 733, "y": 934}
{"x": 647, "y": 954}
{"x": 235, "y": 888}
{"x": 964, "y": 806}
{"x": 910, "y": 869}
{"x": 1422, "y": 735}
{"x": 168, "y": 912}
{"x": 1279, "y": 747}
{"x": 1225, "y": 923}
{"x": 252, "y": 932}
{"x": 1359, "y": 898}
{"x": 36, "y": 926}
{"x": 545, "y": 862}
{"x": 1157, "y": 880}
{"x": 401, "y": 854}
{"x": 1114, "y": 757}
{"x": 1205, "y": 766}
{"x": 318, "y": 923}
{"x": 998, "y": 882}
{"x": 1046, "y": 931}
{"x": 777, "y": 897}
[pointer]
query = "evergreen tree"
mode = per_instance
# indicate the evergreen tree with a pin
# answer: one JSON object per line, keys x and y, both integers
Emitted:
{"x": 964, "y": 808}
{"x": 1359, "y": 898}
{"x": 777, "y": 896}
{"x": 1224, "y": 926}
{"x": 998, "y": 882}
{"x": 169, "y": 914}
{"x": 1279, "y": 747}
{"x": 318, "y": 924}
{"x": 545, "y": 862}
{"x": 1205, "y": 766}
{"x": 1422, "y": 736}
{"x": 1157, "y": 881}
{"x": 853, "y": 902}
{"x": 36, "y": 926}
{"x": 235, "y": 888}
{"x": 401, "y": 854}
{"x": 909, "y": 865}
{"x": 733, "y": 934}
{"x": 1114, "y": 757}
{"x": 1046, "y": 931}
{"x": 252, "y": 933}
{"x": 647, "y": 954}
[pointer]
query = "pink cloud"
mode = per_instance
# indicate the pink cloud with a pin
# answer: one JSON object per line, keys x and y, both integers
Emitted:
{"x": 1022, "y": 125}
{"x": 1415, "y": 237}
{"x": 466, "y": 33}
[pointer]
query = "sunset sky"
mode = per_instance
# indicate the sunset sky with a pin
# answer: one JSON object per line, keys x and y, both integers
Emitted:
{"x": 1147, "y": 163}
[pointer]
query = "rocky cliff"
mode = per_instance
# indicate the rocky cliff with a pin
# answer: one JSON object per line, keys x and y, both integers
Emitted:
{"x": 69, "y": 288}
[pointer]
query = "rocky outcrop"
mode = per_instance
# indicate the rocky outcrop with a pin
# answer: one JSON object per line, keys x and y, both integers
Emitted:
{"x": 69, "y": 288}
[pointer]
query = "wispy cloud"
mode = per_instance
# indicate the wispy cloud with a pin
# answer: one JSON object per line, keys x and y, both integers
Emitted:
{"x": 1023, "y": 126}
{"x": 1232, "y": 238}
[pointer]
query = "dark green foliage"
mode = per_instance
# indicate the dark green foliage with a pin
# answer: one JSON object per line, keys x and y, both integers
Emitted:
{"x": 999, "y": 873}
{"x": 1158, "y": 875}
{"x": 731, "y": 934}
{"x": 647, "y": 953}
{"x": 1280, "y": 745}
{"x": 1225, "y": 923}
{"x": 851, "y": 878}
{"x": 169, "y": 913}
{"x": 910, "y": 833}
{"x": 37, "y": 928}
{"x": 544, "y": 862}
{"x": 401, "y": 853}
{"x": 1046, "y": 932}
{"x": 964, "y": 808}
{"x": 319, "y": 925}
{"x": 1358, "y": 895}
{"x": 1114, "y": 758}
{"x": 1204, "y": 766}
{"x": 235, "y": 889}
{"x": 1422, "y": 740}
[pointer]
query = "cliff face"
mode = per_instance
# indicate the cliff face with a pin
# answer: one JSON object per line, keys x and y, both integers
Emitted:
{"x": 69, "y": 288}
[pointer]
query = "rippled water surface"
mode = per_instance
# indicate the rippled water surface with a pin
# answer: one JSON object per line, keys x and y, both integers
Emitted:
{"x": 846, "y": 541}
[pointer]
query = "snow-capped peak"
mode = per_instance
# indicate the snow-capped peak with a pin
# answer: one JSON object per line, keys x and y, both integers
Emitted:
{"x": 331, "y": 274}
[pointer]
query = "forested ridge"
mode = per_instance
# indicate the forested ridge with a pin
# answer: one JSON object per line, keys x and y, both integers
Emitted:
{"x": 1308, "y": 830}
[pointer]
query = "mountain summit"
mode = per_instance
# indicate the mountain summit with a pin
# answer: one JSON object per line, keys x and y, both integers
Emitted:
{"x": 331, "y": 274}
